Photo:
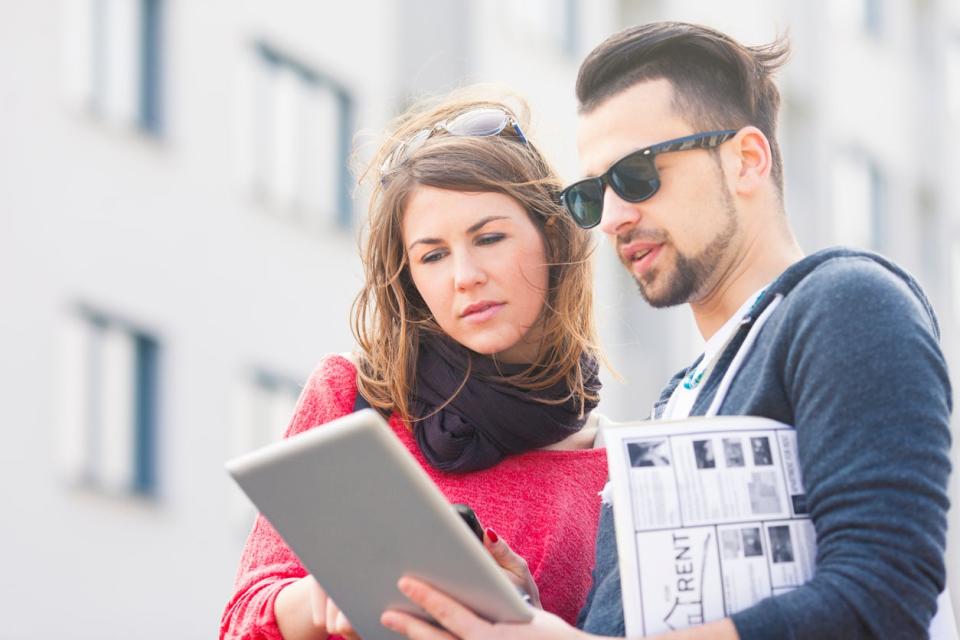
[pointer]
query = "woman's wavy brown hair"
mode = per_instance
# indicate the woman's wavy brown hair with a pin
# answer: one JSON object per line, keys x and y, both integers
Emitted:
{"x": 389, "y": 316}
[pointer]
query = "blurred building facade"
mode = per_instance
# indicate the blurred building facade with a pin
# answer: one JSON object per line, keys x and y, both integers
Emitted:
{"x": 178, "y": 241}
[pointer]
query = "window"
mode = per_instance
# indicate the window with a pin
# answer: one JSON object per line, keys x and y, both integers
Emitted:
{"x": 267, "y": 402}
{"x": 108, "y": 427}
{"x": 571, "y": 23}
{"x": 554, "y": 23}
{"x": 950, "y": 80}
{"x": 295, "y": 139}
{"x": 112, "y": 58}
{"x": 955, "y": 277}
{"x": 929, "y": 237}
{"x": 858, "y": 202}
{"x": 638, "y": 11}
{"x": 264, "y": 405}
{"x": 873, "y": 16}
{"x": 858, "y": 15}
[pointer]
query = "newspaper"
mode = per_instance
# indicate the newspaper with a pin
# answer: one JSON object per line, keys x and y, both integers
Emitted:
{"x": 710, "y": 516}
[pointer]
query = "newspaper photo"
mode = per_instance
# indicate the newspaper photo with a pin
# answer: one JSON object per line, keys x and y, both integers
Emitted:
{"x": 710, "y": 517}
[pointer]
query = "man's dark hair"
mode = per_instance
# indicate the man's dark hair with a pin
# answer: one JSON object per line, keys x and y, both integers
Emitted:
{"x": 718, "y": 83}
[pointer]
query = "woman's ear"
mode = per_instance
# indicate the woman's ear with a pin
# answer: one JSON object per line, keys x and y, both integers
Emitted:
{"x": 752, "y": 160}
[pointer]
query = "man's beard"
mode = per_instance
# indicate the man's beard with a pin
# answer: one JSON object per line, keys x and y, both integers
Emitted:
{"x": 693, "y": 274}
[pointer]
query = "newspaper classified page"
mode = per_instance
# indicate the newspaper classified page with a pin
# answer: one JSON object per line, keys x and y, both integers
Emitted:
{"x": 710, "y": 517}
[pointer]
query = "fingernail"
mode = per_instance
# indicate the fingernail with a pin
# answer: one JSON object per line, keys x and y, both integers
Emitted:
{"x": 404, "y": 585}
{"x": 389, "y": 621}
{"x": 492, "y": 536}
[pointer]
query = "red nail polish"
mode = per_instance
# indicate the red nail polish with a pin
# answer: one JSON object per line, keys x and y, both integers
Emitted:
{"x": 492, "y": 536}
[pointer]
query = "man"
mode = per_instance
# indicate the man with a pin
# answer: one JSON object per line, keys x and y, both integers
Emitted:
{"x": 845, "y": 346}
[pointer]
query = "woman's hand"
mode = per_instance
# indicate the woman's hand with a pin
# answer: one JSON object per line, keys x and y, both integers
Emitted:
{"x": 337, "y": 623}
{"x": 513, "y": 565}
{"x": 304, "y": 611}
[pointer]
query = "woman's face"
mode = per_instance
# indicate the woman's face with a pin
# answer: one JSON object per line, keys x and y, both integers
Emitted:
{"x": 480, "y": 265}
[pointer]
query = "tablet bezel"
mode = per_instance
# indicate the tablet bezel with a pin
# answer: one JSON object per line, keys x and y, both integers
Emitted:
{"x": 360, "y": 512}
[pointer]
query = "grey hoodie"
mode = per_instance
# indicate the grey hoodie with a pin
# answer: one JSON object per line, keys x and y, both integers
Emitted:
{"x": 851, "y": 359}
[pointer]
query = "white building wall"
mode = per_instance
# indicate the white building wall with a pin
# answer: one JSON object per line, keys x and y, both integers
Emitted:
{"x": 166, "y": 234}
{"x": 159, "y": 232}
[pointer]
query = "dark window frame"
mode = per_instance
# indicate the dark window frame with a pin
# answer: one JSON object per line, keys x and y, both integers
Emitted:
{"x": 144, "y": 480}
{"x": 317, "y": 80}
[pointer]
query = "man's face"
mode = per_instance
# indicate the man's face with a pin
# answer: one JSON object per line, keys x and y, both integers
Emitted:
{"x": 675, "y": 243}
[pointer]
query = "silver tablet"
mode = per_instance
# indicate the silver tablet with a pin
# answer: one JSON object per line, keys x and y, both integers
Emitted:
{"x": 359, "y": 512}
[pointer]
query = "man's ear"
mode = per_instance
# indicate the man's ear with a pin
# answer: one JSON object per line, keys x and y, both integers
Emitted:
{"x": 751, "y": 160}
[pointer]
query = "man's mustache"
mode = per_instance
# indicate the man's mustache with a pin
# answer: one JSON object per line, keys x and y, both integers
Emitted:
{"x": 642, "y": 235}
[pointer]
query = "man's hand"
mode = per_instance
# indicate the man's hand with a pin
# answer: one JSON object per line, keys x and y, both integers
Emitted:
{"x": 460, "y": 622}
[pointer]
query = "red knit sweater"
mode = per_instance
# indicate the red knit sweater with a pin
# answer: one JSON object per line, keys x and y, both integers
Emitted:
{"x": 543, "y": 503}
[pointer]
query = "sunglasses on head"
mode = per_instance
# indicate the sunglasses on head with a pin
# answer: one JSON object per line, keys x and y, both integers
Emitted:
{"x": 481, "y": 122}
{"x": 633, "y": 177}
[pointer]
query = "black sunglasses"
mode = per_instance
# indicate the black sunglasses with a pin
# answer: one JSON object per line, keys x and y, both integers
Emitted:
{"x": 633, "y": 177}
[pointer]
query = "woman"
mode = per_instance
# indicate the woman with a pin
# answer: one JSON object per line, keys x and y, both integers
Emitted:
{"x": 476, "y": 337}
